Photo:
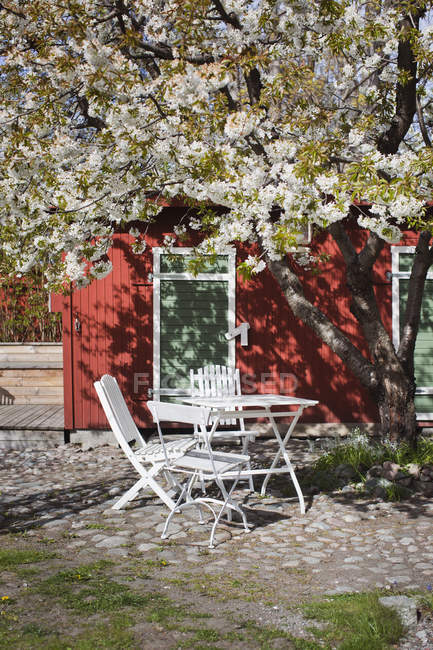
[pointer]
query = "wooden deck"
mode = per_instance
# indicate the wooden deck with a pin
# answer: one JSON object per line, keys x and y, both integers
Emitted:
{"x": 31, "y": 416}
{"x": 31, "y": 426}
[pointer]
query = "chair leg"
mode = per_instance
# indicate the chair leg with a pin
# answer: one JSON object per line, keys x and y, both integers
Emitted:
{"x": 246, "y": 440}
{"x": 227, "y": 505}
{"x": 130, "y": 494}
{"x": 142, "y": 483}
{"x": 176, "y": 508}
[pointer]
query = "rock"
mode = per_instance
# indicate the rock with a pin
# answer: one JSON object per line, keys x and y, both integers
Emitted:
{"x": 390, "y": 470}
{"x": 413, "y": 469}
{"x": 405, "y": 481}
{"x": 404, "y": 606}
{"x": 374, "y": 471}
{"x": 112, "y": 542}
{"x": 428, "y": 469}
{"x": 346, "y": 471}
{"x": 378, "y": 486}
{"x": 426, "y": 488}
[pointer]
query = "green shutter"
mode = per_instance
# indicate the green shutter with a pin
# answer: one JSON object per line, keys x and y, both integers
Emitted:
{"x": 405, "y": 261}
{"x": 194, "y": 319}
{"x": 179, "y": 264}
{"x": 423, "y": 356}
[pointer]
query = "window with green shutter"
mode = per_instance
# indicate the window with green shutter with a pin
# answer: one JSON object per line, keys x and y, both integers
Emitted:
{"x": 191, "y": 317}
{"x": 423, "y": 355}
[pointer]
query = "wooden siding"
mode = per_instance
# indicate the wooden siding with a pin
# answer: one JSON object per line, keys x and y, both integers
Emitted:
{"x": 115, "y": 335}
{"x": 31, "y": 374}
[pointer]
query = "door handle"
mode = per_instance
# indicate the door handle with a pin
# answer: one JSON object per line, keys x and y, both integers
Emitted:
{"x": 77, "y": 325}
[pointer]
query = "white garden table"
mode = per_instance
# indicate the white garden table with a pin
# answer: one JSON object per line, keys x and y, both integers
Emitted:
{"x": 259, "y": 406}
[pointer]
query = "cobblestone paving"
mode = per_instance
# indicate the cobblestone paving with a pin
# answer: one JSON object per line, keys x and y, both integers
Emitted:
{"x": 344, "y": 543}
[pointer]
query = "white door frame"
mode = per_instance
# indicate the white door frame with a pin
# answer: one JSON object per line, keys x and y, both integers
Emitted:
{"x": 398, "y": 275}
{"x": 229, "y": 277}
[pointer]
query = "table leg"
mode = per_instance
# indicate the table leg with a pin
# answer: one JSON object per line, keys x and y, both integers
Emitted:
{"x": 283, "y": 452}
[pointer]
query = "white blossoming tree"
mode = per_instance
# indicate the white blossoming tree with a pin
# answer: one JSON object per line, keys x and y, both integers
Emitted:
{"x": 284, "y": 112}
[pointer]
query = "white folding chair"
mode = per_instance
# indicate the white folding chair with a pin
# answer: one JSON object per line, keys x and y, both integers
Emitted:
{"x": 149, "y": 459}
{"x": 200, "y": 465}
{"x": 222, "y": 381}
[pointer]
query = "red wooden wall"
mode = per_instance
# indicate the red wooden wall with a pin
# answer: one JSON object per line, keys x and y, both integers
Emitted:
{"x": 115, "y": 320}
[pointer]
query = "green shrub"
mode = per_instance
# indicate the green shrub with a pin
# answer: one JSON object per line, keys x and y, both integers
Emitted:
{"x": 24, "y": 314}
{"x": 362, "y": 453}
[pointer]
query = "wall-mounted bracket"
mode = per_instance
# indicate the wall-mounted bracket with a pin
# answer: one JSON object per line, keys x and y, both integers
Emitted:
{"x": 242, "y": 331}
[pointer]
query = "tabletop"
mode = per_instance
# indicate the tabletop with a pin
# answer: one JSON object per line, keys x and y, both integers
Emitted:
{"x": 263, "y": 400}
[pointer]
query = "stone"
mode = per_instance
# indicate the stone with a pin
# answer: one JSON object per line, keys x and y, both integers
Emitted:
{"x": 375, "y": 471}
{"x": 378, "y": 486}
{"x": 413, "y": 469}
{"x": 345, "y": 471}
{"x": 349, "y": 519}
{"x": 390, "y": 470}
{"x": 404, "y": 480}
{"x": 112, "y": 542}
{"x": 404, "y": 606}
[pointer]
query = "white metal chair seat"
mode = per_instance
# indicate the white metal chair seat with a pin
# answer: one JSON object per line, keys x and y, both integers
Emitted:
{"x": 153, "y": 451}
{"x": 149, "y": 459}
{"x": 220, "y": 463}
{"x": 200, "y": 465}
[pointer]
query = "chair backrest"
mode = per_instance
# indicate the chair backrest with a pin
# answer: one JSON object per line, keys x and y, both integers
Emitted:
{"x": 117, "y": 412}
{"x": 216, "y": 381}
{"x": 179, "y": 413}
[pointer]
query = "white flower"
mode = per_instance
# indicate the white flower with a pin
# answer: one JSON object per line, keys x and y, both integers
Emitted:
{"x": 75, "y": 267}
{"x": 240, "y": 124}
{"x": 255, "y": 264}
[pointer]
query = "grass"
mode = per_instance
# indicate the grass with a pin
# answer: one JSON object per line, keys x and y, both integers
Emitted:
{"x": 98, "y": 605}
{"x": 359, "y": 452}
{"x": 86, "y": 589}
{"x": 355, "y": 622}
{"x": 11, "y": 559}
{"x": 90, "y": 607}
{"x": 225, "y": 587}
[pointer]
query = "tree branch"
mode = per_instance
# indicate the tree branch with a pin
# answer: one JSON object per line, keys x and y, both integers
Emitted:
{"x": 422, "y": 125}
{"x": 363, "y": 303}
{"x": 320, "y": 324}
{"x": 389, "y": 142}
{"x": 371, "y": 251}
{"x": 421, "y": 264}
{"x": 232, "y": 104}
{"x": 229, "y": 19}
{"x": 90, "y": 120}
{"x": 346, "y": 247}
{"x": 254, "y": 85}
{"x": 163, "y": 51}
{"x": 18, "y": 14}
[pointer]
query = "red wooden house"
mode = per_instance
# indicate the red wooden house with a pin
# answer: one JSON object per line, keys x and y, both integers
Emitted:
{"x": 149, "y": 321}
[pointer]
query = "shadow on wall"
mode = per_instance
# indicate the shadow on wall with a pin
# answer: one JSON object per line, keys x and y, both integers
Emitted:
{"x": 6, "y": 397}
{"x": 116, "y": 336}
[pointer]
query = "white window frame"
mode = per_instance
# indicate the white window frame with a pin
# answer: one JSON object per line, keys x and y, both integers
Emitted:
{"x": 398, "y": 275}
{"x": 229, "y": 277}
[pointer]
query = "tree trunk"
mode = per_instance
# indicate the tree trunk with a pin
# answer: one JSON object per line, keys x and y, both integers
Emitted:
{"x": 382, "y": 374}
{"x": 394, "y": 397}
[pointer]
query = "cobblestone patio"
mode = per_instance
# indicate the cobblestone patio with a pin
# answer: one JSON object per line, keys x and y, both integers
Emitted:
{"x": 344, "y": 542}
